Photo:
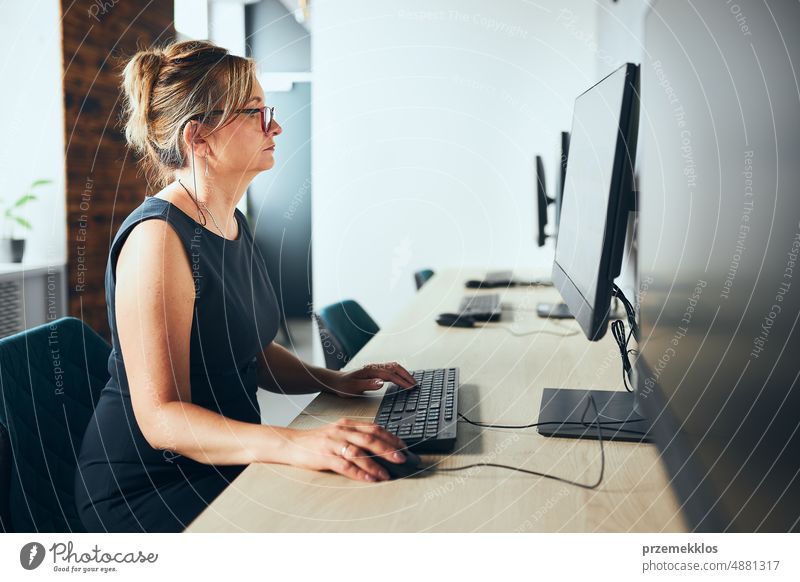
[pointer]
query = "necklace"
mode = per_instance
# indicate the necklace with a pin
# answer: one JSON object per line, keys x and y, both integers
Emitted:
{"x": 214, "y": 220}
{"x": 198, "y": 202}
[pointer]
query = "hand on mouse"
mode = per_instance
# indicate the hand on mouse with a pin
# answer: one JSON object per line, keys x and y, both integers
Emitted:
{"x": 370, "y": 377}
{"x": 346, "y": 447}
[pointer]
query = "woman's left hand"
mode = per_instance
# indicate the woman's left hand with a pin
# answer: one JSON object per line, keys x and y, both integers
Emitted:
{"x": 370, "y": 377}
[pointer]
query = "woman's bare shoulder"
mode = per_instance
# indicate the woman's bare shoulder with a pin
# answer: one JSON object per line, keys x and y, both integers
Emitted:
{"x": 153, "y": 251}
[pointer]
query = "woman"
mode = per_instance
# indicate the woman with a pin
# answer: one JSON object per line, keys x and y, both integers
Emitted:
{"x": 193, "y": 315}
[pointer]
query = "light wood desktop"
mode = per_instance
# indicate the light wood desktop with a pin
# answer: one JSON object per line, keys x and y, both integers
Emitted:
{"x": 502, "y": 378}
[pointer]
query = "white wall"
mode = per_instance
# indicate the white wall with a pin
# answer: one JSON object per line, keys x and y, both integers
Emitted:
{"x": 426, "y": 118}
{"x": 620, "y": 33}
{"x": 620, "y": 39}
{"x": 31, "y": 102}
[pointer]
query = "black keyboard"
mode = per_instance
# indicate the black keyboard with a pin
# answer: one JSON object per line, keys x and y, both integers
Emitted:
{"x": 424, "y": 416}
{"x": 482, "y": 307}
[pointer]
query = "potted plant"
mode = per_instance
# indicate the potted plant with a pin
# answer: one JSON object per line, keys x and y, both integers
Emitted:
{"x": 12, "y": 249}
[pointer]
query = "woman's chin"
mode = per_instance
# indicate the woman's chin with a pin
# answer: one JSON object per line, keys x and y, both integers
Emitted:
{"x": 265, "y": 163}
{"x": 268, "y": 159}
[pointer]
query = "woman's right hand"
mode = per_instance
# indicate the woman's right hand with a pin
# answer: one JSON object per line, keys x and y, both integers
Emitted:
{"x": 321, "y": 449}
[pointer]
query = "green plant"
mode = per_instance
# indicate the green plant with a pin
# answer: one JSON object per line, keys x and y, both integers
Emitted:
{"x": 10, "y": 216}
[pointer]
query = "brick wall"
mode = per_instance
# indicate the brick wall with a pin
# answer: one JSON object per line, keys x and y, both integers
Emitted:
{"x": 103, "y": 183}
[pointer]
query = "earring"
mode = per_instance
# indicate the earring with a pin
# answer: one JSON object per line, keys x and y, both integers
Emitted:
{"x": 200, "y": 216}
{"x": 206, "y": 158}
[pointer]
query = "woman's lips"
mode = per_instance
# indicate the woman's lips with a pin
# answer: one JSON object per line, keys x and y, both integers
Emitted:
{"x": 270, "y": 149}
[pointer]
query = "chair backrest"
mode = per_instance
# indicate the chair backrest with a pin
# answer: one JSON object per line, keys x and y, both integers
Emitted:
{"x": 344, "y": 328}
{"x": 50, "y": 379}
{"x": 421, "y": 277}
{"x": 5, "y": 479}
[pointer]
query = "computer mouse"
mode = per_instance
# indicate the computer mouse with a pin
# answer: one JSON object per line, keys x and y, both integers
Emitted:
{"x": 455, "y": 320}
{"x": 411, "y": 466}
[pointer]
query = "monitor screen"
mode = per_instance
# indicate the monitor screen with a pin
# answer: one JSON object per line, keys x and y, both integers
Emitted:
{"x": 597, "y": 197}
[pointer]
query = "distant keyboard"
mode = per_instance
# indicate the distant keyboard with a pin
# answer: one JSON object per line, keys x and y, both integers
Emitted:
{"x": 424, "y": 416}
{"x": 482, "y": 307}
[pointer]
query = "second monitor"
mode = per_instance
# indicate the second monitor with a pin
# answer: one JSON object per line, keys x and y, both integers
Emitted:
{"x": 598, "y": 195}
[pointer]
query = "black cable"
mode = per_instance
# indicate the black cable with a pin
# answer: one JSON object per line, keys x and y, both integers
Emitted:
{"x": 618, "y": 330}
{"x": 617, "y": 292}
{"x": 590, "y": 399}
{"x": 611, "y": 421}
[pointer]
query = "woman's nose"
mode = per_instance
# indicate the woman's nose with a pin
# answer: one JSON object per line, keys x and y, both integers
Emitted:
{"x": 276, "y": 128}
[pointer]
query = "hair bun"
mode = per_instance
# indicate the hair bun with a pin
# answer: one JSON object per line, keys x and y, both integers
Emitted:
{"x": 138, "y": 79}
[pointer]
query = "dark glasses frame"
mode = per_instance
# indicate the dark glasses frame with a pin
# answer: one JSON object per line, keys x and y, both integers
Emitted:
{"x": 267, "y": 115}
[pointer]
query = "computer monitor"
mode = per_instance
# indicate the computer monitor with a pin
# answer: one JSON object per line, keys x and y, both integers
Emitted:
{"x": 596, "y": 202}
{"x": 598, "y": 196}
{"x": 718, "y": 245}
{"x": 562, "y": 175}
{"x": 550, "y": 310}
{"x": 542, "y": 201}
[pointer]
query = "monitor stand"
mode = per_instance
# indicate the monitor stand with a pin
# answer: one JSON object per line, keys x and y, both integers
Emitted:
{"x": 553, "y": 311}
{"x": 561, "y": 407}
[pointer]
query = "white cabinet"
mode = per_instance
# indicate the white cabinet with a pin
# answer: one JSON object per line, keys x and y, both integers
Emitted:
{"x": 31, "y": 294}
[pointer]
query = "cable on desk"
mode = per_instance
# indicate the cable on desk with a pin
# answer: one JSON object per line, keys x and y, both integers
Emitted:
{"x": 532, "y": 332}
{"x": 590, "y": 399}
{"x": 514, "y": 309}
{"x": 610, "y": 421}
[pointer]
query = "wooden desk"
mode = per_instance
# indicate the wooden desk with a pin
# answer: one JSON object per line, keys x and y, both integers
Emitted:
{"x": 502, "y": 377}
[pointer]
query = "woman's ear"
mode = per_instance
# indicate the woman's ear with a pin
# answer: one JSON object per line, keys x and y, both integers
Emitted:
{"x": 194, "y": 139}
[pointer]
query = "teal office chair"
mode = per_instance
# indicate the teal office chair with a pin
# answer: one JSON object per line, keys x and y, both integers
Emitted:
{"x": 344, "y": 328}
{"x": 421, "y": 277}
{"x": 50, "y": 380}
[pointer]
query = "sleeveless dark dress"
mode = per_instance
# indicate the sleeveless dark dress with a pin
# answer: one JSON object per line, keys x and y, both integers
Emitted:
{"x": 122, "y": 484}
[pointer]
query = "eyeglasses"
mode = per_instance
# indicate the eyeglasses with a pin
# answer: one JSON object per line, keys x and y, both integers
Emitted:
{"x": 267, "y": 115}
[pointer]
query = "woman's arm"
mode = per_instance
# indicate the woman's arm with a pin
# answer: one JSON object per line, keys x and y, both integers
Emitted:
{"x": 280, "y": 371}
